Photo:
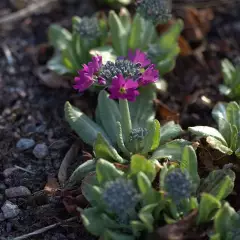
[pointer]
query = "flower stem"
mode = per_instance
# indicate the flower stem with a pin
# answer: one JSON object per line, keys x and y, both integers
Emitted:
{"x": 126, "y": 121}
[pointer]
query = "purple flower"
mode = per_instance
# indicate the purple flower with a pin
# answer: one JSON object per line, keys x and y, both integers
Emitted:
{"x": 150, "y": 75}
{"x": 138, "y": 57}
{"x": 86, "y": 75}
{"x": 123, "y": 88}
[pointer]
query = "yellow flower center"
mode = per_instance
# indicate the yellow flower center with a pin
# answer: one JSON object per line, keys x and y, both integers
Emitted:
{"x": 122, "y": 90}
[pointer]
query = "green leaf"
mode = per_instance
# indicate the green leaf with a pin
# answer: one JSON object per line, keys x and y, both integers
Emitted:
{"x": 137, "y": 227}
{"x": 142, "y": 110}
{"x": 146, "y": 215}
{"x": 126, "y": 121}
{"x": 103, "y": 149}
{"x": 149, "y": 34}
{"x": 189, "y": 163}
{"x": 92, "y": 221}
{"x": 208, "y": 206}
{"x": 228, "y": 71}
{"x": 69, "y": 60}
{"x": 204, "y": 131}
{"x": 149, "y": 194}
{"x": 134, "y": 41}
{"x": 219, "y": 183}
{"x": 80, "y": 172}
{"x": 171, "y": 150}
{"x": 233, "y": 114}
{"x": 93, "y": 194}
{"x": 55, "y": 64}
{"x": 109, "y": 114}
{"x": 219, "y": 111}
{"x": 141, "y": 164}
{"x": 120, "y": 140}
{"x": 111, "y": 235}
{"x": 118, "y": 33}
{"x": 106, "y": 171}
{"x": 106, "y": 52}
{"x": 225, "y": 129}
{"x": 144, "y": 183}
{"x": 170, "y": 130}
{"x": 125, "y": 18}
{"x": 234, "y": 138}
{"x": 223, "y": 220}
{"x": 152, "y": 140}
{"x": 59, "y": 37}
{"x": 82, "y": 125}
{"x": 216, "y": 144}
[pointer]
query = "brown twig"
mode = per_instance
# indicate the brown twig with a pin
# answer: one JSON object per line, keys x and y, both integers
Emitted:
{"x": 33, "y": 8}
{"x": 42, "y": 230}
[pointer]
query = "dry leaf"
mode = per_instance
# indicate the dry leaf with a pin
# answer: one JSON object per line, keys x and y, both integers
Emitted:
{"x": 177, "y": 230}
{"x": 52, "y": 186}
{"x": 165, "y": 113}
{"x": 51, "y": 79}
{"x": 185, "y": 48}
{"x": 68, "y": 159}
{"x": 197, "y": 23}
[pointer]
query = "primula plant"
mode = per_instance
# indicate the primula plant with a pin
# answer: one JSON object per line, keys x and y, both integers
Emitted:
{"x": 125, "y": 205}
{"x": 140, "y": 33}
{"x": 231, "y": 77}
{"x": 226, "y": 224}
{"x": 123, "y": 128}
{"x": 226, "y": 138}
{"x": 72, "y": 48}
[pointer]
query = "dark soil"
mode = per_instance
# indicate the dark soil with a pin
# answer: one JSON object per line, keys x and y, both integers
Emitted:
{"x": 31, "y": 110}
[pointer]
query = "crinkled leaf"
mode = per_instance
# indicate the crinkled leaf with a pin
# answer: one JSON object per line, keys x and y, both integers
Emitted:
{"x": 142, "y": 110}
{"x": 92, "y": 221}
{"x": 144, "y": 183}
{"x": 119, "y": 34}
{"x": 106, "y": 52}
{"x": 218, "y": 183}
{"x": 190, "y": 164}
{"x": 134, "y": 41}
{"x": 171, "y": 150}
{"x": 204, "y": 131}
{"x": 59, "y": 37}
{"x": 93, "y": 194}
{"x": 106, "y": 171}
{"x": 109, "y": 114}
{"x": 146, "y": 215}
{"x": 152, "y": 140}
{"x": 170, "y": 130}
{"x": 82, "y": 125}
{"x": 216, "y": 144}
{"x": 233, "y": 114}
{"x": 219, "y": 111}
{"x": 208, "y": 206}
{"x": 223, "y": 220}
{"x": 55, "y": 64}
{"x": 80, "y": 172}
{"x": 103, "y": 149}
{"x": 141, "y": 164}
{"x": 137, "y": 227}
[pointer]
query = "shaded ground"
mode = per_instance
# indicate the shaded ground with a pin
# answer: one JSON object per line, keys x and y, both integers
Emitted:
{"x": 31, "y": 110}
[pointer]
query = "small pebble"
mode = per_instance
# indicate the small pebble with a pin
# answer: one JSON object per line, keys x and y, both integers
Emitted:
{"x": 25, "y": 143}
{"x": 2, "y": 218}
{"x": 10, "y": 210}
{"x": 2, "y": 187}
{"x": 40, "y": 151}
{"x": 8, "y": 172}
{"x": 20, "y": 191}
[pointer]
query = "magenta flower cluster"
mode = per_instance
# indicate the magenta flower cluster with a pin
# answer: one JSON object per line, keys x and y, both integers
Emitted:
{"x": 126, "y": 75}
